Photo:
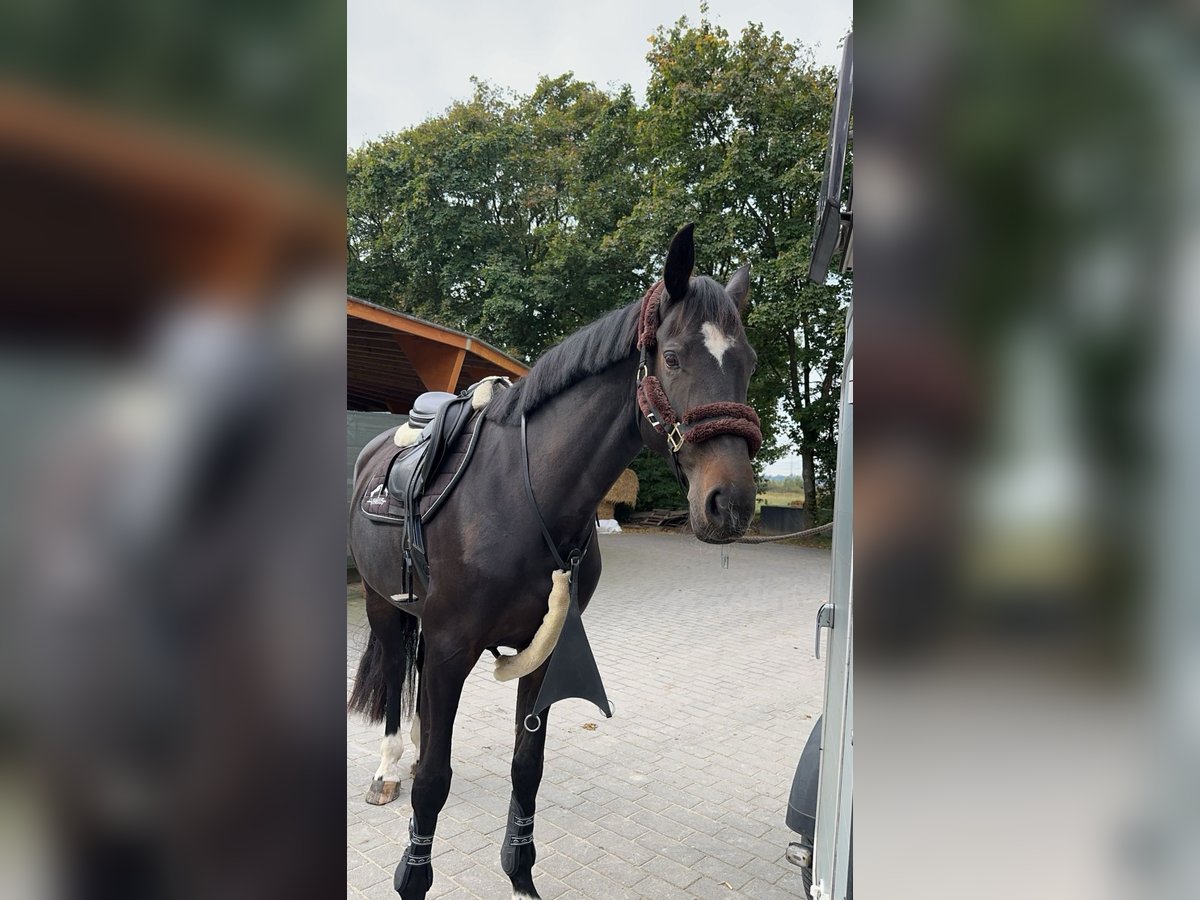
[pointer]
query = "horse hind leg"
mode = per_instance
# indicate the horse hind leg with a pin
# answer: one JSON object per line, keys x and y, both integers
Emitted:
{"x": 518, "y": 854}
{"x": 442, "y": 678}
{"x": 385, "y": 784}
{"x": 379, "y": 691}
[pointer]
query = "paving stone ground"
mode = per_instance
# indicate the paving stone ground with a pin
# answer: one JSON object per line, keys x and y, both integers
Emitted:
{"x": 683, "y": 792}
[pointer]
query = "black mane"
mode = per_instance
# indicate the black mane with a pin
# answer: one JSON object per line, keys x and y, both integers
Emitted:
{"x": 589, "y": 351}
{"x": 599, "y": 346}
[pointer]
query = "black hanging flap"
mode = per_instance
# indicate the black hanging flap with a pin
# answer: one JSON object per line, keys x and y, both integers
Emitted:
{"x": 572, "y": 670}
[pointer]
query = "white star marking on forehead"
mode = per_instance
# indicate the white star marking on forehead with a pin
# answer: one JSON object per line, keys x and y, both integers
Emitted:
{"x": 716, "y": 341}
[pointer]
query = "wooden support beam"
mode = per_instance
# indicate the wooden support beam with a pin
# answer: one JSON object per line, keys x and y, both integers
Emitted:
{"x": 437, "y": 365}
{"x": 401, "y": 323}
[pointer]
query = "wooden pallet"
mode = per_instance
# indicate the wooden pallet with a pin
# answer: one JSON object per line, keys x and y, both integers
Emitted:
{"x": 664, "y": 518}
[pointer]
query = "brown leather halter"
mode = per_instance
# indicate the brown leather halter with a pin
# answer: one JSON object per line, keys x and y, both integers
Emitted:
{"x": 698, "y": 424}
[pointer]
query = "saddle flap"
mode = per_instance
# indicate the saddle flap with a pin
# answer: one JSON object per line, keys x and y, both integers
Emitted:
{"x": 413, "y": 469}
{"x": 449, "y": 424}
{"x": 404, "y": 466}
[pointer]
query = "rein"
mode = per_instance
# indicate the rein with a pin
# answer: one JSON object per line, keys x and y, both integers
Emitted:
{"x": 575, "y": 556}
{"x": 698, "y": 424}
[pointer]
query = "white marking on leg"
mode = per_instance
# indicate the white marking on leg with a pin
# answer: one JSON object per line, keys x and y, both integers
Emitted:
{"x": 390, "y": 751}
{"x": 716, "y": 341}
{"x": 415, "y": 734}
{"x": 520, "y": 896}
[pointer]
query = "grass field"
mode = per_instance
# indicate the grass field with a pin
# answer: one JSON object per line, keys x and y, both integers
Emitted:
{"x": 777, "y": 498}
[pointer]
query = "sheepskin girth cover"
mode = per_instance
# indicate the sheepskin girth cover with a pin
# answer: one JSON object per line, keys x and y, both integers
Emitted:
{"x": 546, "y": 638}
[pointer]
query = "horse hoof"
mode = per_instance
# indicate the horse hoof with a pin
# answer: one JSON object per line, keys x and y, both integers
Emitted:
{"x": 382, "y": 792}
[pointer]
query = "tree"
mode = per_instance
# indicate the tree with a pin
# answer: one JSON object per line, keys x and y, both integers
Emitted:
{"x": 500, "y": 217}
{"x": 735, "y": 138}
{"x": 522, "y": 218}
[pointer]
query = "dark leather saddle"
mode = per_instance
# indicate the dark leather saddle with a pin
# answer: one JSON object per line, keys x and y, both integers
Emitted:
{"x": 420, "y": 477}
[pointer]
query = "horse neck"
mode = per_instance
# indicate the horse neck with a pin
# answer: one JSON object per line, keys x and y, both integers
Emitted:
{"x": 579, "y": 443}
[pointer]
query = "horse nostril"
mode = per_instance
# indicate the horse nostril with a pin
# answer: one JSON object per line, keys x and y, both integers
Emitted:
{"x": 715, "y": 504}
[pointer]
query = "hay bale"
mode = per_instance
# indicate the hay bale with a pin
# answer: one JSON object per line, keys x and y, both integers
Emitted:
{"x": 624, "y": 490}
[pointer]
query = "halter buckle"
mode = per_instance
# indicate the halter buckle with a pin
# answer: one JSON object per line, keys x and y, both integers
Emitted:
{"x": 642, "y": 372}
{"x": 675, "y": 438}
{"x": 654, "y": 420}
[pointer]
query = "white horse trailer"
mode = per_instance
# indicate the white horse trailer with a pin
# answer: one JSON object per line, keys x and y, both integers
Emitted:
{"x": 821, "y": 805}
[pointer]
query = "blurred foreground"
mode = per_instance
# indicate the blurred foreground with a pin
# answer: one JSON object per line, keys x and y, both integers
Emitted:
{"x": 171, "y": 387}
{"x": 171, "y": 658}
{"x": 1027, "y": 183}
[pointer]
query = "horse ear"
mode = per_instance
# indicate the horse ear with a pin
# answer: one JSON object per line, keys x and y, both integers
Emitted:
{"x": 739, "y": 288}
{"x": 681, "y": 259}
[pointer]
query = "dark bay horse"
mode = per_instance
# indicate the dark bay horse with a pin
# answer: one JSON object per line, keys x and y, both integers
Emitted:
{"x": 590, "y": 405}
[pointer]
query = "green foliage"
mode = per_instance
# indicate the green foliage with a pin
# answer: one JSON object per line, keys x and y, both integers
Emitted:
{"x": 522, "y": 218}
{"x": 761, "y": 484}
{"x": 499, "y": 217}
{"x": 739, "y": 130}
{"x": 657, "y": 487}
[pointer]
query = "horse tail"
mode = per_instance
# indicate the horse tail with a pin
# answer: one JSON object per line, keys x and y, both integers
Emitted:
{"x": 394, "y": 654}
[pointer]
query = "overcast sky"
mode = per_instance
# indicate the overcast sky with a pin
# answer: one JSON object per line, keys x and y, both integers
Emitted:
{"x": 410, "y": 60}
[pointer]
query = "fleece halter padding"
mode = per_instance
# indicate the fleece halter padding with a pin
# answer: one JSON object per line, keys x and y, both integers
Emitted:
{"x": 703, "y": 422}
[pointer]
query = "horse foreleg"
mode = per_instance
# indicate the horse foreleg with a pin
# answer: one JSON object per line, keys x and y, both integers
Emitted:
{"x": 518, "y": 854}
{"x": 414, "y": 732}
{"x": 441, "y": 688}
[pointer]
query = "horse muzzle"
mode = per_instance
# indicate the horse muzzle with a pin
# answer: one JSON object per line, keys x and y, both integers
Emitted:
{"x": 721, "y": 502}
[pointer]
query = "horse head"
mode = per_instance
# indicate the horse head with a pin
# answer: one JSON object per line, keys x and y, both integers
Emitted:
{"x": 695, "y": 370}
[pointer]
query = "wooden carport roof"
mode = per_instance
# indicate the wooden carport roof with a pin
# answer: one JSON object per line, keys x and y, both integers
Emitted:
{"x": 391, "y": 358}
{"x": 109, "y": 218}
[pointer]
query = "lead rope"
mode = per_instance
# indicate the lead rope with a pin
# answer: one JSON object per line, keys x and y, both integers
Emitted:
{"x": 766, "y": 539}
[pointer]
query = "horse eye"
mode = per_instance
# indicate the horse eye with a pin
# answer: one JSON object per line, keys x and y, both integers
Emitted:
{"x": 671, "y": 359}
